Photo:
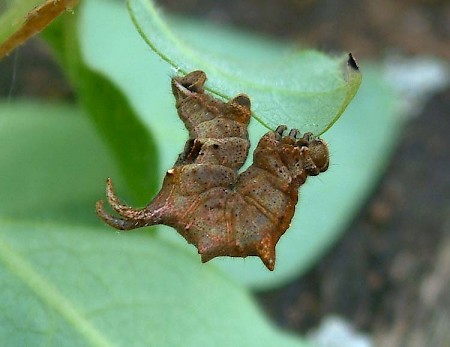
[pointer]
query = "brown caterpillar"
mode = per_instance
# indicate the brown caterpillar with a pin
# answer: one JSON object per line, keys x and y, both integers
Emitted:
{"x": 203, "y": 197}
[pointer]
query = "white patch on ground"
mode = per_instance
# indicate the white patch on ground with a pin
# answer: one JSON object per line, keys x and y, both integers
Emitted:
{"x": 334, "y": 331}
{"x": 415, "y": 80}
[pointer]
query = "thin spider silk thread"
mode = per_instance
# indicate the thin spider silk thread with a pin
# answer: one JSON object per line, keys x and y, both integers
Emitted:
{"x": 14, "y": 75}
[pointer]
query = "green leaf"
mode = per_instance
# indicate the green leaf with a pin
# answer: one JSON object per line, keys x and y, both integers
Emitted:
{"x": 144, "y": 80}
{"x": 53, "y": 165}
{"x": 303, "y": 89}
{"x": 80, "y": 286}
{"x": 131, "y": 143}
{"x": 360, "y": 144}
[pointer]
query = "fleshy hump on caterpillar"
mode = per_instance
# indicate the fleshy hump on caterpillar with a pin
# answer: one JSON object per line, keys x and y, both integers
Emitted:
{"x": 221, "y": 212}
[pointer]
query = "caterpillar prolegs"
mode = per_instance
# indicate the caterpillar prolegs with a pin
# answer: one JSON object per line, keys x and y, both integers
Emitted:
{"x": 203, "y": 197}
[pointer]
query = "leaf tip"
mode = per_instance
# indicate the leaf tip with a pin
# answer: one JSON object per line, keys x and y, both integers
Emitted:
{"x": 351, "y": 62}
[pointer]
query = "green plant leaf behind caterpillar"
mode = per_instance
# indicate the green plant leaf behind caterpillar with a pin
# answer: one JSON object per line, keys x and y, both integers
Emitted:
{"x": 303, "y": 89}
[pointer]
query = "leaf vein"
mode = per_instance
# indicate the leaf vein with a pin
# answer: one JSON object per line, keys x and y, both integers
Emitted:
{"x": 23, "y": 270}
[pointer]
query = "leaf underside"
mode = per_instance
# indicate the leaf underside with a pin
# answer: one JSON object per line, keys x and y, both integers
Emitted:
{"x": 305, "y": 89}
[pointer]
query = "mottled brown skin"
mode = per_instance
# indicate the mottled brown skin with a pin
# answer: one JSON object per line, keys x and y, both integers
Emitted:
{"x": 203, "y": 197}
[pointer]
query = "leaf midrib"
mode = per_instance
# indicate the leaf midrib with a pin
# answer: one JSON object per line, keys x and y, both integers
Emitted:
{"x": 24, "y": 271}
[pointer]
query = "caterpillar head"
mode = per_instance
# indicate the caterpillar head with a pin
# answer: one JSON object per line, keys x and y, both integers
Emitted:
{"x": 318, "y": 151}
